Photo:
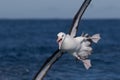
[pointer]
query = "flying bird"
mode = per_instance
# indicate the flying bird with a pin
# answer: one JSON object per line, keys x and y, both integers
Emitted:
{"x": 79, "y": 47}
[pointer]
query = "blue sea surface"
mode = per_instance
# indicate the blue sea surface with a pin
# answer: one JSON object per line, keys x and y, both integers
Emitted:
{"x": 26, "y": 44}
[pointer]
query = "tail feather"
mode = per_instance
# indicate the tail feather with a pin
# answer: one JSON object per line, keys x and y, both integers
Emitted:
{"x": 95, "y": 38}
{"x": 87, "y": 63}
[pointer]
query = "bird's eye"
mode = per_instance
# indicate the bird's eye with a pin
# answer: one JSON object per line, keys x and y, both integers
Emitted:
{"x": 62, "y": 35}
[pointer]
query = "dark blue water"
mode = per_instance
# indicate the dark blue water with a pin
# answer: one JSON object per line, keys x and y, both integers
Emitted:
{"x": 26, "y": 44}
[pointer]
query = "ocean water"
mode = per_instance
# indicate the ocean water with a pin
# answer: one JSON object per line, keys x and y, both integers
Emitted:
{"x": 26, "y": 44}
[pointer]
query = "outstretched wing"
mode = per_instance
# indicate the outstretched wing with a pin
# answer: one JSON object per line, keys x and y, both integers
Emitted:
{"x": 77, "y": 18}
{"x": 50, "y": 61}
{"x": 47, "y": 65}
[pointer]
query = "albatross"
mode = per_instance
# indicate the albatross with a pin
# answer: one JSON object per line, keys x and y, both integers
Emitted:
{"x": 79, "y": 47}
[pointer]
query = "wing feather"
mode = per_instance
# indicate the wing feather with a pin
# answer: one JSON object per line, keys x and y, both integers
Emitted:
{"x": 47, "y": 65}
{"x": 77, "y": 18}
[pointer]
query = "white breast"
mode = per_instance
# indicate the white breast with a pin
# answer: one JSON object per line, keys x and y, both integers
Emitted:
{"x": 69, "y": 44}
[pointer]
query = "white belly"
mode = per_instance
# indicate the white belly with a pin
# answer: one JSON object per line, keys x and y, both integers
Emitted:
{"x": 69, "y": 44}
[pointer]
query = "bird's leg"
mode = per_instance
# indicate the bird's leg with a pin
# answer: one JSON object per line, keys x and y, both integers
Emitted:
{"x": 76, "y": 56}
{"x": 86, "y": 62}
{"x": 79, "y": 57}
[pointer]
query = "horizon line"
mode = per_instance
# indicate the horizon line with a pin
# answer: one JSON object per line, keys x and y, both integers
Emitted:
{"x": 58, "y": 18}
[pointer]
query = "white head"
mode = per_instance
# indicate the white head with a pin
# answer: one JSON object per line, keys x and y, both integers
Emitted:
{"x": 60, "y": 39}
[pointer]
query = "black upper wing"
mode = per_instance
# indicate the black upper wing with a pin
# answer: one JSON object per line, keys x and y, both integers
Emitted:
{"x": 47, "y": 65}
{"x": 77, "y": 18}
